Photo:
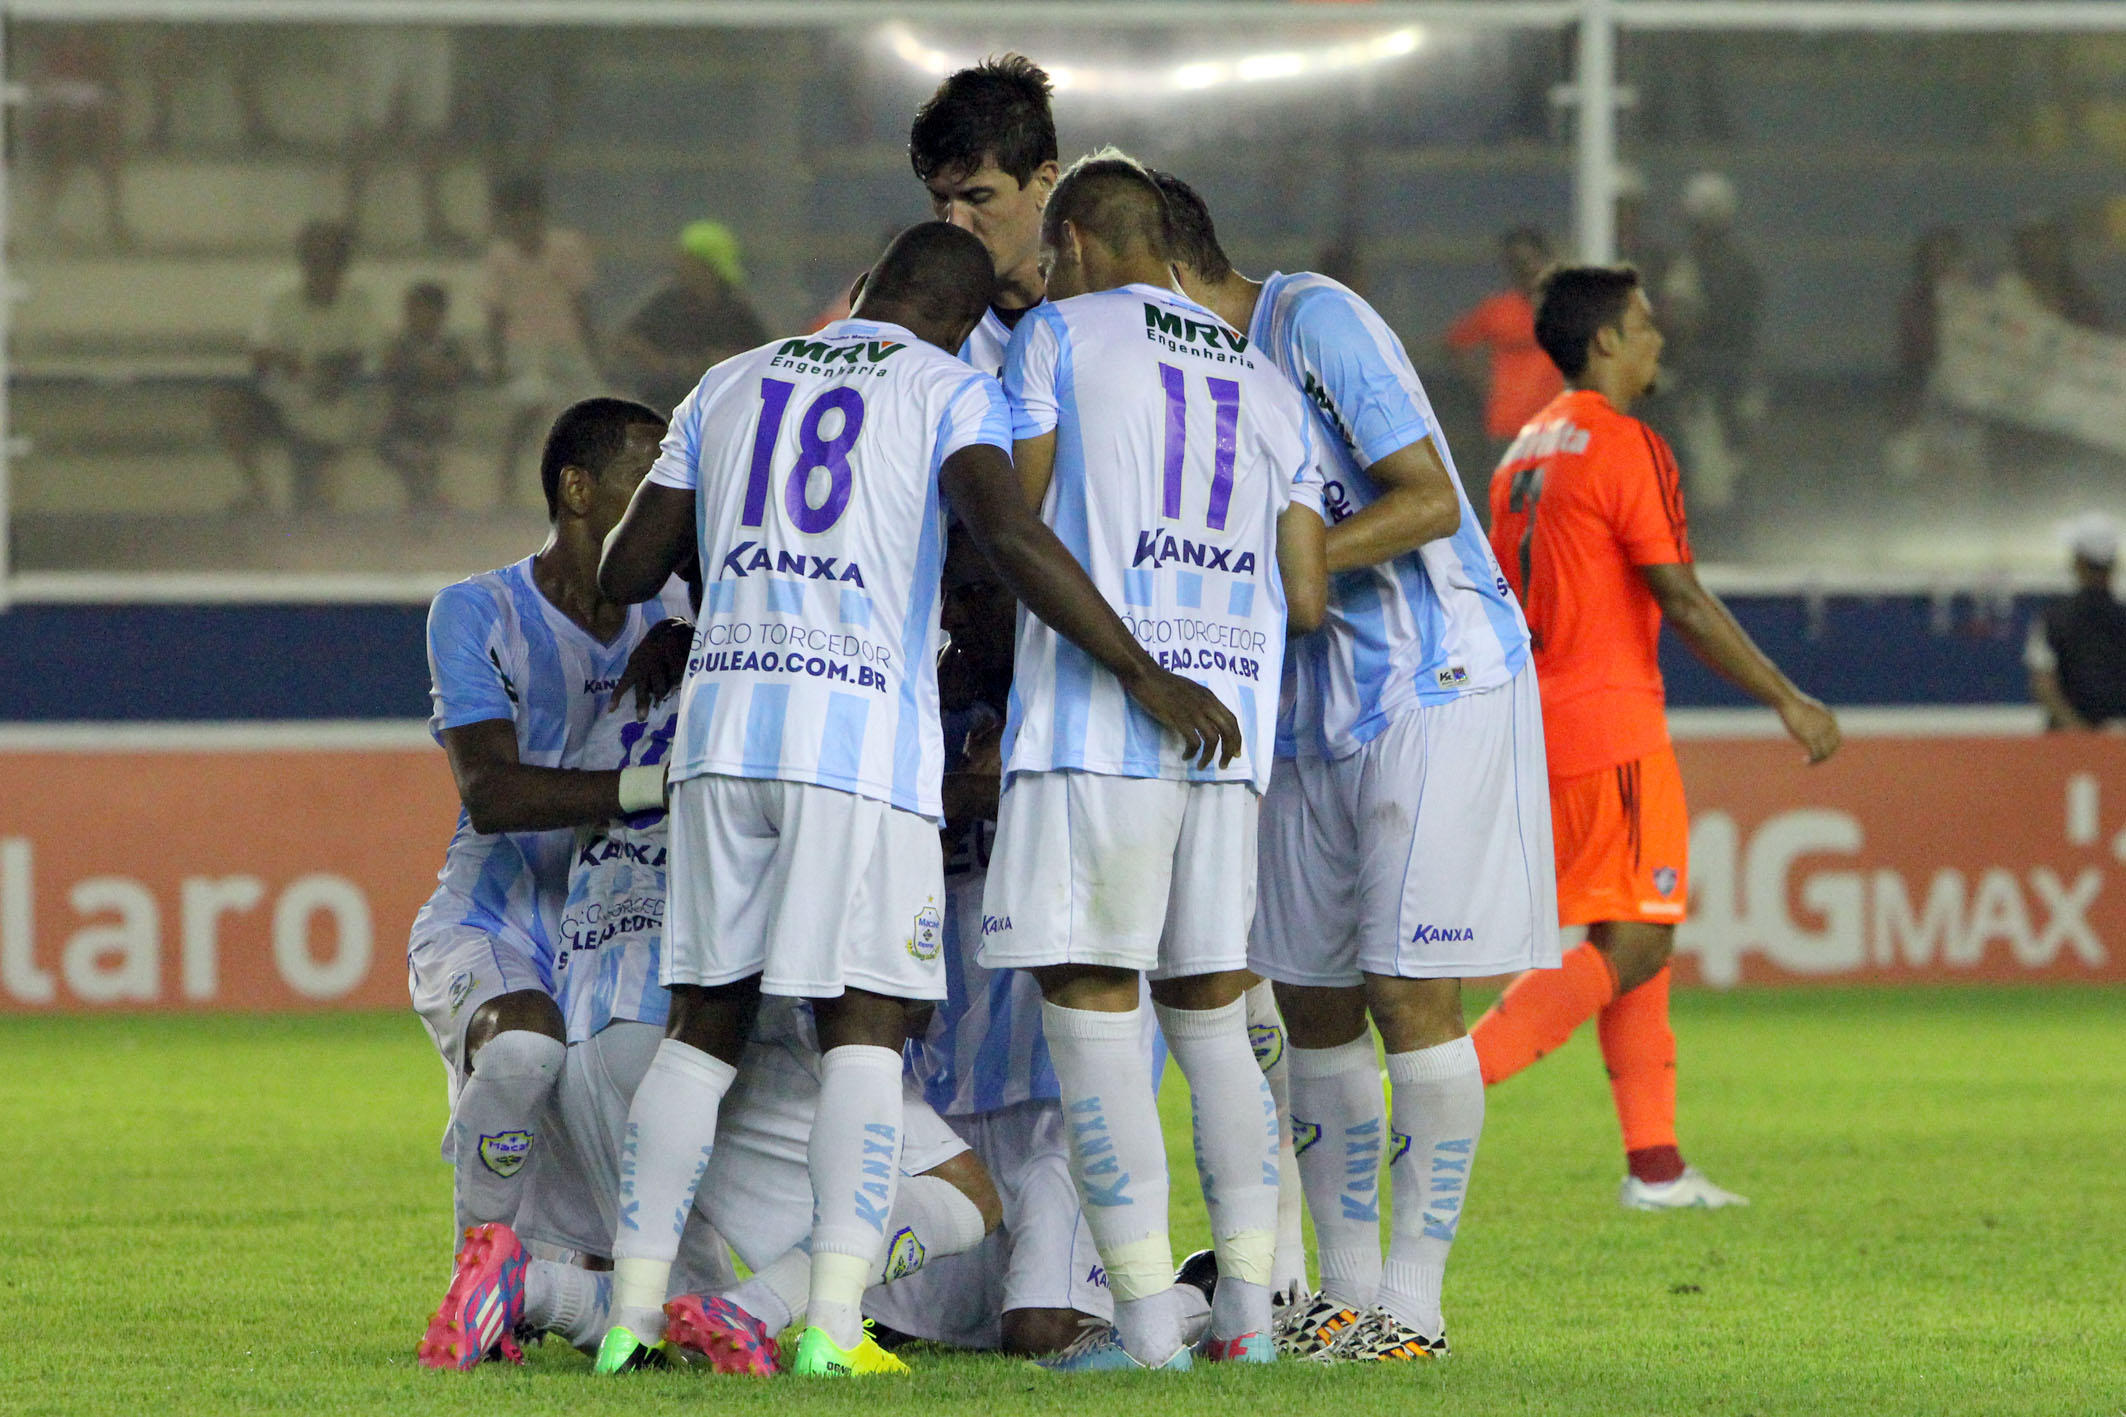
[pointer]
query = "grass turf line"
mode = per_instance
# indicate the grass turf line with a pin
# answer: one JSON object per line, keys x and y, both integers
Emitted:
{"x": 246, "y": 1214}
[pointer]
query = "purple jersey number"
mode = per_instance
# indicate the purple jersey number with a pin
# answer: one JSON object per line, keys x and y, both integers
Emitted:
{"x": 1225, "y": 401}
{"x": 814, "y": 454}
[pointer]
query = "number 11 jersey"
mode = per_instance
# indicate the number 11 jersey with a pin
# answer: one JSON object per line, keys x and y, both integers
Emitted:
{"x": 814, "y": 463}
{"x": 1178, "y": 445}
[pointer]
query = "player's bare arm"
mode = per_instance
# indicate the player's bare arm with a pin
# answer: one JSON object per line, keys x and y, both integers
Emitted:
{"x": 1417, "y": 504}
{"x": 1302, "y": 565}
{"x": 645, "y": 550}
{"x": 1048, "y": 580}
{"x": 502, "y": 794}
{"x": 1034, "y": 459}
{"x": 1697, "y": 615}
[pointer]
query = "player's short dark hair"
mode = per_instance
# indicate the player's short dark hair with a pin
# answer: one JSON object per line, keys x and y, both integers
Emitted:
{"x": 998, "y": 110}
{"x": 1109, "y": 194}
{"x": 1573, "y": 303}
{"x": 937, "y": 269}
{"x": 589, "y": 434}
{"x": 1195, "y": 237}
{"x": 520, "y": 192}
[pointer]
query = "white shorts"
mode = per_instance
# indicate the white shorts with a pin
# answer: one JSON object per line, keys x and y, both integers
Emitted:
{"x": 814, "y": 889}
{"x": 1424, "y": 855}
{"x": 1041, "y": 1257}
{"x": 1129, "y": 872}
{"x": 452, "y": 972}
{"x": 757, "y": 1194}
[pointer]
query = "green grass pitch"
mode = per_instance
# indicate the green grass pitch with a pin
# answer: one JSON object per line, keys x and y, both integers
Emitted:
{"x": 237, "y": 1215}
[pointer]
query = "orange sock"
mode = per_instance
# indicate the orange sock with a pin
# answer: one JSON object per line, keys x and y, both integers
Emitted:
{"x": 1539, "y": 1011}
{"x": 1639, "y": 1049}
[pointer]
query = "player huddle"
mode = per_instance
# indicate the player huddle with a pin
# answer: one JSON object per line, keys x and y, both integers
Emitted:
{"x": 1259, "y": 762}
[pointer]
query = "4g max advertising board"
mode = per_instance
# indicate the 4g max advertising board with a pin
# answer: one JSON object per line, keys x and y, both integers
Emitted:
{"x": 269, "y": 869}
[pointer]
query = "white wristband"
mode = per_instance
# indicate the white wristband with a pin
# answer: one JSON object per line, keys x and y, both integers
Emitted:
{"x": 641, "y": 788}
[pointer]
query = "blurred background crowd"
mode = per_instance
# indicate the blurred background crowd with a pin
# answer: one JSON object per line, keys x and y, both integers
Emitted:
{"x": 299, "y": 297}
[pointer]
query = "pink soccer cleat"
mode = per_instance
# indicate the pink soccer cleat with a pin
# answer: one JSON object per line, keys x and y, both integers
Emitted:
{"x": 731, "y": 1339}
{"x": 483, "y": 1305}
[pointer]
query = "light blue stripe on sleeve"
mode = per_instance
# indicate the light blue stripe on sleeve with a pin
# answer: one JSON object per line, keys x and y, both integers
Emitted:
{"x": 765, "y": 714}
{"x": 543, "y": 714}
{"x": 996, "y": 418}
{"x": 1240, "y": 599}
{"x": 721, "y": 597}
{"x": 916, "y": 634}
{"x": 841, "y": 743}
{"x": 1137, "y": 588}
{"x": 856, "y": 608}
{"x": 1188, "y": 589}
{"x": 785, "y": 597}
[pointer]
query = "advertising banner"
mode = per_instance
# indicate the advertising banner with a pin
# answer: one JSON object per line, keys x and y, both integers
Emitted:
{"x": 250, "y": 875}
{"x": 1906, "y": 859}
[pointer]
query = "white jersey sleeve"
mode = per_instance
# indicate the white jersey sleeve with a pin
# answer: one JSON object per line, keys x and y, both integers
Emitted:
{"x": 815, "y": 464}
{"x": 1177, "y": 447}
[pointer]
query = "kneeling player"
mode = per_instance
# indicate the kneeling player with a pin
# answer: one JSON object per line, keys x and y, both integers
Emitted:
{"x": 524, "y": 661}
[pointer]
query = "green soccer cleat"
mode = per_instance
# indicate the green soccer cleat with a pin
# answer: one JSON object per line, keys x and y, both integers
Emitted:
{"x": 622, "y": 1352}
{"x": 819, "y": 1356}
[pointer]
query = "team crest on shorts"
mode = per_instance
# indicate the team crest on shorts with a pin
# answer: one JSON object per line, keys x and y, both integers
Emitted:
{"x": 1267, "y": 1039}
{"x": 1304, "y": 1135}
{"x": 929, "y": 935}
{"x": 1665, "y": 879}
{"x": 461, "y": 990}
{"x": 1398, "y": 1146}
{"x": 504, "y": 1152}
{"x": 904, "y": 1255}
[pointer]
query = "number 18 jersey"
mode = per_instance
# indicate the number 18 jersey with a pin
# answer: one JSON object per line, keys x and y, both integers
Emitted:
{"x": 1178, "y": 445}
{"x": 814, "y": 464}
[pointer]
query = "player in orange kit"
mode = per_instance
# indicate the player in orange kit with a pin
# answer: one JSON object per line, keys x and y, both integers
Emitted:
{"x": 1587, "y": 520}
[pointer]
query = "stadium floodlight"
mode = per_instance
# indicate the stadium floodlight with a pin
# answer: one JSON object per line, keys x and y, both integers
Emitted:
{"x": 1196, "y": 76}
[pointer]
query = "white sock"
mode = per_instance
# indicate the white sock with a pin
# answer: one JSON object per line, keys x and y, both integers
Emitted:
{"x": 932, "y": 1218}
{"x": 496, "y": 1123}
{"x": 855, "y": 1161}
{"x": 1339, "y": 1118}
{"x": 567, "y": 1300}
{"x": 1267, "y": 1035}
{"x": 1439, "y": 1116}
{"x": 1118, "y": 1163}
{"x": 1236, "y": 1155}
{"x": 778, "y": 1293}
{"x": 671, "y": 1129}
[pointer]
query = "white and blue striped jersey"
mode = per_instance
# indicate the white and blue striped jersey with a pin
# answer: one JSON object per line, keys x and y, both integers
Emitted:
{"x": 1424, "y": 628}
{"x": 987, "y": 347}
{"x": 815, "y": 467}
{"x": 1178, "y": 445}
{"x": 498, "y": 649}
{"x": 612, "y": 925}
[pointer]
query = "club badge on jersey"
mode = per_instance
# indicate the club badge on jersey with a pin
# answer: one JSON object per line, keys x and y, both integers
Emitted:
{"x": 815, "y": 466}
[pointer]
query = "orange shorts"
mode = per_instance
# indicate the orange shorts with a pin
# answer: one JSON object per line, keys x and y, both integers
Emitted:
{"x": 1623, "y": 843}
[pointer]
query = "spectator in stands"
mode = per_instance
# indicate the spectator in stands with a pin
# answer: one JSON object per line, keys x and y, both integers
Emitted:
{"x": 539, "y": 330}
{"x": 2076, "y": 652}
{"x": 399, "y": 78}
{"x": 423, "y": 374}
{"x": 1932, "y": 440}
{"x": 73, "y": 121}
{"x": 1937, "y": 259}
{"x": 1712, "y": 300}
{"x": 696, "y": 317}
{"x": 2044, "y": 271}
{"x": 1520, "y": 378}
{"x": 307, "y": 356}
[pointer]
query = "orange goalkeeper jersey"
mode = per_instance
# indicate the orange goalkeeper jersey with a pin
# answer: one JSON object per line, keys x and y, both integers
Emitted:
{"x": 1583, "y": 498}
